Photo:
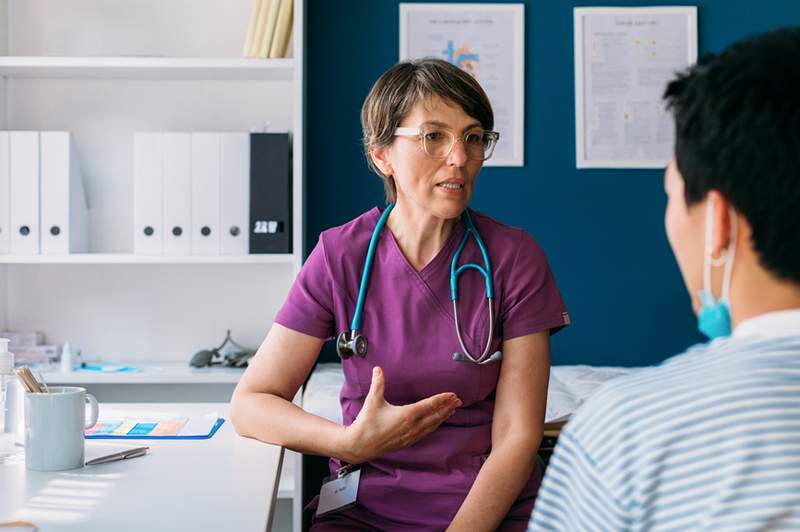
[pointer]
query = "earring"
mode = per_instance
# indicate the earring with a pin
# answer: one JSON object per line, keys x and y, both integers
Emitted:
{"x": 721, "y": 260}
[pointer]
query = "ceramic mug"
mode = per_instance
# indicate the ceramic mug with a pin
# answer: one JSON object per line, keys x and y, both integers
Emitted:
{"x": 54, "y": 425}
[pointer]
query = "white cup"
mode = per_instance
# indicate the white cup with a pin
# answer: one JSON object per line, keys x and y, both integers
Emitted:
{"x": 54, "y": 425}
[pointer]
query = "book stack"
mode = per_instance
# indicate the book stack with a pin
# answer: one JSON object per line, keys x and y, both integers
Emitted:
{"x": 269, "y": 29}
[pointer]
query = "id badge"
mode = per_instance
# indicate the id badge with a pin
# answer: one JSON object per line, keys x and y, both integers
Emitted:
{"x": 338, "y": 492}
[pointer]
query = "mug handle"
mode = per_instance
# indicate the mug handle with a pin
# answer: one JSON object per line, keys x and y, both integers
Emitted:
{"x": 95, "y": 411}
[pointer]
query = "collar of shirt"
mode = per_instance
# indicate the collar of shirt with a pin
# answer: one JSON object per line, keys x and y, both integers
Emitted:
{"x": 770, "y": 325}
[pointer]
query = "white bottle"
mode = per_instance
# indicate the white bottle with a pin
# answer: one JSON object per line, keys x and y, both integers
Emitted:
{"x": 67, "y": 359}
{"x": 10, "y": 408}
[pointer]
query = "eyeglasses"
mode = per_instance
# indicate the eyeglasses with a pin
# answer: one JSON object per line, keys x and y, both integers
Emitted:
{"x": 438, "y": 142}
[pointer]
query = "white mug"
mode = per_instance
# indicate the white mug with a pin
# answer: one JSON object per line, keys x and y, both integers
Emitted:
{"x": 54, "y": 425}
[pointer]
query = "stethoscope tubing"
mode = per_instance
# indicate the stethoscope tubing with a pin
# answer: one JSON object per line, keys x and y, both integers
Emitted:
{"x": 455, "y": 271}
{"x": 486, "y": 272}
{"x": 373, "y": 243}
{"x": 485, "y": 357}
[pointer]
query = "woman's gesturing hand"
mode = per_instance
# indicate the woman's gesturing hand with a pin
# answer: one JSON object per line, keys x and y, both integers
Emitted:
{"x": 381, "y": 428}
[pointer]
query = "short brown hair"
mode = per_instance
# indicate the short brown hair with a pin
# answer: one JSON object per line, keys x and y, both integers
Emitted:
{"x": 403, "y": 86}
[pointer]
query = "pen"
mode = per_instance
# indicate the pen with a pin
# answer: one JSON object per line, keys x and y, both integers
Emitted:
{"x": 123, "y": 455}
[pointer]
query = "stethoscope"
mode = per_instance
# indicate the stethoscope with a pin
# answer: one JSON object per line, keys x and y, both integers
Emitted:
{"x": 354, "y": 342}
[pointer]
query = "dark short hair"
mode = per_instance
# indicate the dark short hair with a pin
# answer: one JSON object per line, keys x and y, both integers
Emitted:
{"x": 737, "y": 122}
{"x": 404, "y": 85}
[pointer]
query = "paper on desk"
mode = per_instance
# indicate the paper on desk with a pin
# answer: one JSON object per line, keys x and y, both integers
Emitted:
{"x": 121, "y": 422}
{"x": 199, "y": 426}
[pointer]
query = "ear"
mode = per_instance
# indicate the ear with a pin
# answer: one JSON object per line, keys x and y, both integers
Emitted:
{"x": 721, "y": 237}
{"x": 381, "y": 160}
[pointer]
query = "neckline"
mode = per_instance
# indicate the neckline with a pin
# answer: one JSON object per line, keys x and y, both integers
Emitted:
{"x": 443, "y": 254}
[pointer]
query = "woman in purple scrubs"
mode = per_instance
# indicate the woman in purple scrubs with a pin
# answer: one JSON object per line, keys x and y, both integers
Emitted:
{"x": 440, "y": 444}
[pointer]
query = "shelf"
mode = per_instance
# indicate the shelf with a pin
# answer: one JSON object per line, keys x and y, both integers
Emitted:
{"x": 126, "y": 258}
{"x": 143, "y": 68}
{"x": 150, "y": 373}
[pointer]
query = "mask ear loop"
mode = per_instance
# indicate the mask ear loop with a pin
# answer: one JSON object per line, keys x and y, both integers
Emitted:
{"x": 729, "y": 256}
{"x": 707, "y": 260}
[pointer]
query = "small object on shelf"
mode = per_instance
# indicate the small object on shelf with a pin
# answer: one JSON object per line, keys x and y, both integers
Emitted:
{"x": 268, "y": 31}
{"x": 234, "y": 356}
{"x": 69, "y": 361}
{"x": 283, "y": 30}
{"x": 252, "y": 29}
{"x": 108, "y": 368}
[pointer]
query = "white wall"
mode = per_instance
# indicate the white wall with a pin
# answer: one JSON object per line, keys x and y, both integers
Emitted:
{"x": 141, "y": 312}
{"x": 175, "y": 28}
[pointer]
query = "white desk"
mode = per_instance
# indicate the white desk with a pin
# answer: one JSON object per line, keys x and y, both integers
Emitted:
{"x": 224, "y": 483}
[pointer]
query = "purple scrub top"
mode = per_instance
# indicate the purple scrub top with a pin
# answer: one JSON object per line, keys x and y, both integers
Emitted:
{"x": 408, "y": 320}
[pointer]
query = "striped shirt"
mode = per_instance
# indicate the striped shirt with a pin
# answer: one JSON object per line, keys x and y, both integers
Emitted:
{"x": 708, "y": 440}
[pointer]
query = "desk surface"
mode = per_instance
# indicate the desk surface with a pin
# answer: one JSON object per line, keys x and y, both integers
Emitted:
{"x": 224, "y": 483}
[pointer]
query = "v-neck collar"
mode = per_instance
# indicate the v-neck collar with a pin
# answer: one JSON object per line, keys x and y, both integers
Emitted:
{"x": 444, "y": 253}
{"x": 430, "y": 270}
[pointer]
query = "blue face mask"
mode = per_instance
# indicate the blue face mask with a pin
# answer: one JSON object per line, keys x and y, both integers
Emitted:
{"x": 714, "y": 317}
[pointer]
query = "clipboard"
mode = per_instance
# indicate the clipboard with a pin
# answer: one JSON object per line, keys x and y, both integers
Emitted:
{"x": 132, "y": 425}
{"x": 130, "y": 436}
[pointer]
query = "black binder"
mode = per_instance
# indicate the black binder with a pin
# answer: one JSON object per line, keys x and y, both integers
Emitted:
{"x": 270, "y": 193}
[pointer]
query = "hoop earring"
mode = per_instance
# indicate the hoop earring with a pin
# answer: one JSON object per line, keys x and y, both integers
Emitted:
{"x": 721, "y": 260}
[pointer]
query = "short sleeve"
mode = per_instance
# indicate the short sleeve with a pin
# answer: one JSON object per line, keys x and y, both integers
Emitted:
{"x": 309, "y": 306}
{"x": 532, "y": 302}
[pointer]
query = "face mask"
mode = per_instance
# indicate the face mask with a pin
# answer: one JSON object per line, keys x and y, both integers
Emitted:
{"x": 714, "y": 318}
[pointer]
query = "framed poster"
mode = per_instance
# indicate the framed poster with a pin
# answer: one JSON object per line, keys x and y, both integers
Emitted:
{"x": 486, "y": 40}
{"x": 624, "y": 58}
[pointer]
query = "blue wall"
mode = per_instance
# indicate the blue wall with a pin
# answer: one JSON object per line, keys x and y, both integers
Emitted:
{"x": 601, "y": 229}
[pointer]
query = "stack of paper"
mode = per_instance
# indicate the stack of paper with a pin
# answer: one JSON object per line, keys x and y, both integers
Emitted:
{"x": 269, "y": 29}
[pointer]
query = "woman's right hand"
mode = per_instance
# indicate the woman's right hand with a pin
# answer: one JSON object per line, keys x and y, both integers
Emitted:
{"x": 382, "y": 428}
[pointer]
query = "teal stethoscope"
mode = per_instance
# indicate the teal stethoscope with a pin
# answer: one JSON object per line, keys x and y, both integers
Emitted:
{"x": 354, "y": 342}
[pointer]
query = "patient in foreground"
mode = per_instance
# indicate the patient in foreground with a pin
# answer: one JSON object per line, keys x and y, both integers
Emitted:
{"x": 710, "y": 439}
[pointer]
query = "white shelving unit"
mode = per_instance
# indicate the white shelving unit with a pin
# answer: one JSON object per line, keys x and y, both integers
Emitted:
{"x": 156, "y": 68}
{"x": 103, "y": 69}
{"x": 129, "y": 258}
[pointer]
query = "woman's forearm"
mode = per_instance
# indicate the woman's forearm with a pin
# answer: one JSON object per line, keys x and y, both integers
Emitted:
{"x": 273, "y": 419}
{"x": 499, "y": 483}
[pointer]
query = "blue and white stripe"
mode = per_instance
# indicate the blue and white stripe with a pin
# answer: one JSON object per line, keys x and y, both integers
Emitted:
{"x": 709, "y": 440}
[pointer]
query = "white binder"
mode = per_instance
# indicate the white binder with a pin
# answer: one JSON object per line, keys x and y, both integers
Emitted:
{"x": 5, "y": 189}
{"x": 235, "y": 194}
{"x": 177, "y": 193}
{"x": 205, "y": 193}
{"x": 147, "y": 193}
{"x": 64, "y": 209}
{"x": 24, "y": 196}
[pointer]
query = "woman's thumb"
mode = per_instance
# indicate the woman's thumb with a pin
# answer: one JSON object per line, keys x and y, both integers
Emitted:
{"x": 376, "y": 386}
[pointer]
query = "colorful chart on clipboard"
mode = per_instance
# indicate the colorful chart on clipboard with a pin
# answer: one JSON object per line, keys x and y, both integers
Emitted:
{"x": 133, "y": 425}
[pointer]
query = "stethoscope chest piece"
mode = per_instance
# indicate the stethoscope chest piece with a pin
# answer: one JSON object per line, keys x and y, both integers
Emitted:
{"x": 351, "y": 342}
